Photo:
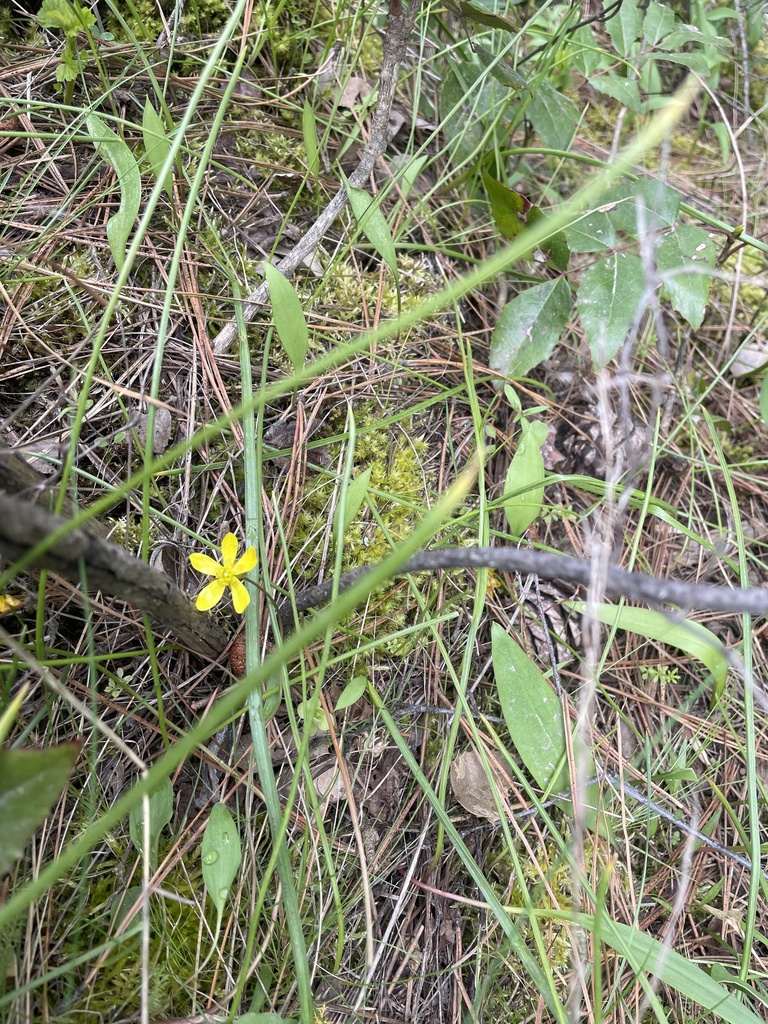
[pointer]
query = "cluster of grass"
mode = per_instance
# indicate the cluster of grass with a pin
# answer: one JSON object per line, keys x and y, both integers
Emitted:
{"x": 631, "y": 900}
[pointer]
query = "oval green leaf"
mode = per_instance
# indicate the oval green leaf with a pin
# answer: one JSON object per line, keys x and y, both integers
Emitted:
{"x": 290, "y": 322}
{"x": 220, "y": 854}
{"x": 532, "y": 712}
{"x": 524, "y": 488}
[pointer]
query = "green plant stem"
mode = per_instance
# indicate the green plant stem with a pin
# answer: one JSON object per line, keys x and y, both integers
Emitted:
{"x": 261, "y": 749}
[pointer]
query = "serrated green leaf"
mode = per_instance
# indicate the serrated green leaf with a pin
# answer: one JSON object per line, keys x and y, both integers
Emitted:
{"x": 691, "y": 637}
{"x": 513, "y": 212}
{"x": 686, "y": 257}
{"x": 157, "y": 146}
{"x": 30, "y": 784}
{"x": 532, "y": 712}
{"x": 61, "y": 14}
{"x": 553, "y": 116}
{"x": 160, "y": 813}
{"x": 530, "y": 327}
{"x": 608, "y": 301}
{"x": 290, "y": 322}
{"x": 311, "y": 144}
{"x": 524, "y": 487}
{"x": 352, "y": 692}
{"x": 373, "y": 224}
{"x": 116, "y": 153}
{"x": 356, "y": 494}
{"x": 220, "y": 856}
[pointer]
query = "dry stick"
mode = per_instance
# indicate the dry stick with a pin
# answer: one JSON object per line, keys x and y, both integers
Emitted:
{"x": 399, "y": 28}
{"x": 635, "y": 586}
{"x": 109, "y": 568}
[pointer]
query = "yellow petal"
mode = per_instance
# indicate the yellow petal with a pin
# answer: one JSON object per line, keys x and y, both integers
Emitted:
{"x": 204, "y": 563}
{"x": 245, "y": 563}
{"x": 229, "y": 548}
{"x": 240, "y": 596}
{"x": 210, "y": 595}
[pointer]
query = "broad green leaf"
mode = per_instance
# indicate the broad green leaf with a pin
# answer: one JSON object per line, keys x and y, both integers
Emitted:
{"x": 625, "y": 90}
{"x": 555, "y": 248}
{"x": 512, "y": 212}
{"x": 311, "y": 144}
{"x": 160, "y": 813}
{"x": 157, "y": 145}
{"x": 508, "y": 207}
{"x": 697, "y": 62}
{"x": 524, "y": 488}
{"x": 624, "y": 28}
{"x": 290, "y": 322}
{"x": 658, "y": 22}
{"x": 30, "y": 783}
{"x": 660, "y": 206}
{"x": 587, "y": 56}
{"x": 68, "y": 17}
{"x": 647, "y": 954}
{"x": 553, "y": 116}
{"x": 530, "y": 327}
{"x": 501, "y": 69}
{"x": 472, "y": 101}
{"x": 373, "y": 224}
{"x": 687, "y": 289}
{"x": 220, "y": 855}
{"x": 532, "y": 712}
{"x": 592, "y": 233}
{"x": 116, "y": 153}
{"x": 352, "y": 692}
{"x": 608, "y": 301}
{"x": 690, "y": 637}
{"x": 356, "y": 494}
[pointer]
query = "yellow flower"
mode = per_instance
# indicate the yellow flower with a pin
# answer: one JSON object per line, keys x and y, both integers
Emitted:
{"x": 225, "y": 575}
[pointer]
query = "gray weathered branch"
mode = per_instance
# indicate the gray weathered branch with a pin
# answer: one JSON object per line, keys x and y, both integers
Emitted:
{"x": 108, "y": 568}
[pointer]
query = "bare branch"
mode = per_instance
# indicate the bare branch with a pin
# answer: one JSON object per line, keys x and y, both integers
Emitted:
{"x": 635, "y": 586}
{"x": 109, "y": 568}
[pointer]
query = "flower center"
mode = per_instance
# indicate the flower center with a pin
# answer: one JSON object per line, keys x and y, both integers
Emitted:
{"x": 227, "y": 576}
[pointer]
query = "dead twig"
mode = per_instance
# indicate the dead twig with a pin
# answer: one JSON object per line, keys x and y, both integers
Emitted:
{"x": 399, "y": 29}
